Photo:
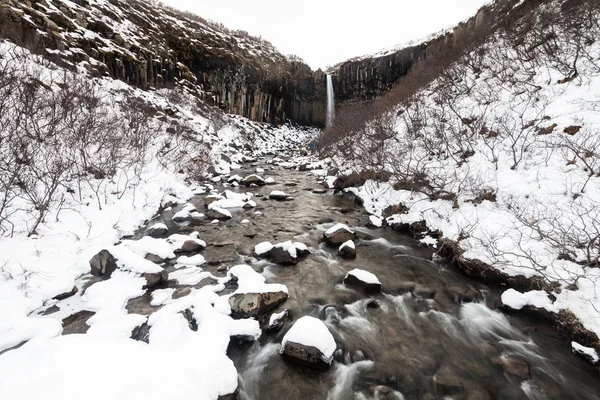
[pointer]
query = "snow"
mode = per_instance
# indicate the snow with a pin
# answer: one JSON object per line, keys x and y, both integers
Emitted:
{"x": 231, "y": 203}
{"x": 263, "y": 248}
{"x": 588, "y": 351}
{"x": 245, "y": 221}
{"x": 364, "y": 276}
{"x": 278, "y": 193}
{"x": 288, "y": 247}
{"x": 301, "y": 246}
{"x": 269, "y": 181}
{"x": 375, "y": 221}
{"x": 149, "y": 245}
{"x": 276, "y": 317}
{"x": 536, "y": 298}
{"x": 349, "y": 244}
{"x": 176, "y": 241}
{"x": 129, "y": 261}
{"x": 161, "y": 296}
{"x": 250, "y": 281}
{"x": 310, "y": 331}
{"x": 218, "y": 209}
{"x": 197, "y": 259}
{"x": 338, "y": 227}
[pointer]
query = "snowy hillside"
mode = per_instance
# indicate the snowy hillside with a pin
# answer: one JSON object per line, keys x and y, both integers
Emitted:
{"x": 500, "y": 156}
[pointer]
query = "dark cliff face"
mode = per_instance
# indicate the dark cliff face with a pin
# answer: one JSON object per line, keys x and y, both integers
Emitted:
{"x": 365, "y": 78}
{"x": 154, "y": 47}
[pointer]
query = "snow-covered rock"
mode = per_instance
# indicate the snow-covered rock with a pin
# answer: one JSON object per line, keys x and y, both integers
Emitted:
{"x": 253, "y": 180}
{"x": 103, "y": 264}
{"x": 587, "y": 353}
{"x": 278, "y": 195}
{"x": 534, "y": 298}
{"x": 347, "y": 250}
{"x": 270, "y": 181}
{"x": 375, "y": 221}
{"x": 185, "y": 243}
{"x": 218, "y": 212}
{"x": 158, "y": 230}
{"x": 276, "y": 320}
{"x": 263, "y": 249}
{"x": 309, "y": 342}
{"x": 363, "y": 280}
{"x": 338, "y": 234}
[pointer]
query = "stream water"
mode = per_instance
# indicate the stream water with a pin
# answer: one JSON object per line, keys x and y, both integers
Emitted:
{"x": 413, "y": 341}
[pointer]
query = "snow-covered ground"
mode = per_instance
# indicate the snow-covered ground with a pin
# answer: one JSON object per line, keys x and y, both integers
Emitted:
{"x": 79, "y": 223}
{"x": 510, "y": 153}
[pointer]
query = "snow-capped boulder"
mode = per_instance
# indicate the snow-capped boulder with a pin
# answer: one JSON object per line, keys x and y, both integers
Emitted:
{"x": 309, "y": 342}
{"x": 263, "y": 249}
{"x": 338, "y": 234}
{"x": 218, "y": 212}
{"x": 278, "y": 195}
{"x": 185, "y": 243}
{"x": 154, "y": 278}
{"x": 270, "y": 181}
{"x": 588, "y": 353}
{"x": 211, "y": 198}
{"x": 253, "y": 180}
{"x": 246, "y": 305}
{"x": 363, "y": 280}
{"x": 347, "y": 250}
{"x": 103, "y": 264}
{"x": 157, "y": 230}
{"x": 374, "y": 222}
{"x": 185, "y": 215}
{"x": 277, "y": 320}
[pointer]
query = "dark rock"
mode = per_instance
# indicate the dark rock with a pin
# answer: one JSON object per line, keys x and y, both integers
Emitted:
{"x": 306, "y": 355}
{"x": 103, "y": 264}
{"x": 333, "y": 172}
{"x": 279, "y": 255}
{"x": 245, "y": 305}
{"x": 66, "y": 295}
{"x": 368, "y": 288}
{"x": 158, "y": 231}
{"x": 424, "y": 292}
{"x": 277, "y": 323}
{"x": 347, "y": 252}
{"x": 278, "y": 195}
{"x": 154, "y": 278}
{"x": 208, "y": 200}
{"x": 464, "y": 293}
{"x": 141, "y": 333}
{"x": 154, "y": 258}
{"x": 191, "y": 245}
{"x": 290, "y": 184}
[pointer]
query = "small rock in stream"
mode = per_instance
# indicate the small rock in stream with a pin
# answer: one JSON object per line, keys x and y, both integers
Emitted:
{"x": 103, "y": 264}
{"x": 347, "y": 250}
{"x": 338, "y": 234}
{"x": 363, "y": 280}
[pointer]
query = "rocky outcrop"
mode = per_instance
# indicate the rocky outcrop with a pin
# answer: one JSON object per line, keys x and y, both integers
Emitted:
{"x": 140, "y": 43}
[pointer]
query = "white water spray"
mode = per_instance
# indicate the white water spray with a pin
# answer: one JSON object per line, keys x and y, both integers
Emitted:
{"x": 330, "y": 102}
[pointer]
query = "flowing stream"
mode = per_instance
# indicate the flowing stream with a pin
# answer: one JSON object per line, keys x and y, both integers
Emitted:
{"x": 413, "y": 341}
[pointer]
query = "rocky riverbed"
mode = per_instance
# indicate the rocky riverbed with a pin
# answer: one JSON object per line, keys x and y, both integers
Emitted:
{"x": 402, "y": 326}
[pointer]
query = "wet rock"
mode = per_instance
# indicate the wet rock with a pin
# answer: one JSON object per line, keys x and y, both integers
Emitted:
{"x": 464, "y": 293}
{"x": 216, "y": 255}
{"x": 231, "y": 396}
{"x": 309, "y": 342}
{"x": 253, "y": 180}
{"x": 478, "y": 394}
{"x": 358, "y": 356}
{"x": 363, "y": 280}
{"x": 154, "y": 278}
{"x": 77, "y": 323}
{"x": 347, "y": 250}
{"x": 514, "y": 366}
{"x": 66, "y": 295}
{"x": 333, "y": 172}
{"x": 290, "y": 184}
{"x": 446, "y": 382}
{"x": 338, "y": 234}
{"x": 277, "y": 320}
{"x": 245, "y": 305}
{"x": 319, "y": 191}
{"x": 103, "y": 264}
{"x": 158, "y": 230}
{"x": 400, "y": 288}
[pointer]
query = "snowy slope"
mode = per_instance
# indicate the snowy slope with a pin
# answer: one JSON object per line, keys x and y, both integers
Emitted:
{"x": 500, "y": 153}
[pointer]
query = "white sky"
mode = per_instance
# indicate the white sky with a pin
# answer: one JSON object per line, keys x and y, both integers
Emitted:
{"x": 325, "y": 32}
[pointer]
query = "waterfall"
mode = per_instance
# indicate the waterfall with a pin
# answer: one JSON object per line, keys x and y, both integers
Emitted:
{"x": 330, "y": 102}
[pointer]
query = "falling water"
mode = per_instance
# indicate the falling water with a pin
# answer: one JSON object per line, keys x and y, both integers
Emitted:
{"x": 330, "y": 102}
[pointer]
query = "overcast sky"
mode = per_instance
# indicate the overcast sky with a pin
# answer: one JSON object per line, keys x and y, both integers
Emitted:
{"x": 325, "y": 32}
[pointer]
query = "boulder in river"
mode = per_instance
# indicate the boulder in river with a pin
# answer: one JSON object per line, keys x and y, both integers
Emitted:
{"x": 211, "y": 198}
{"x": 309, "y": 342}
{"x": 284, "y": 253}
{"x": 219, "y": 213}
{"x": 278, "y": 195}
{"x": 276, "y": 320}
{"x": 347, "y": 250}
{"x": 253, "y": 180}
{"x": 363, "y": 280}
{"x": 103, "y": 264}
{"x": 338, "y": 234}
{"x": 158, "y": 230}
{"x": 513, "y": 365}
{"x": 245, "y": 305}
